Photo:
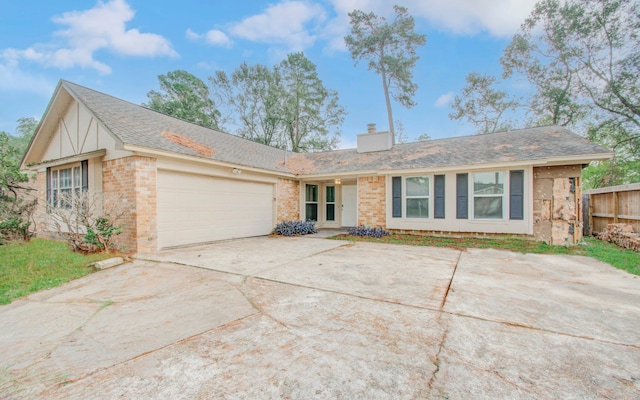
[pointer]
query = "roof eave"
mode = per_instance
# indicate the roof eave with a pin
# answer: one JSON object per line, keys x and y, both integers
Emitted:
{"x": 174, "y": 155}
{"x": 564, "y": 160}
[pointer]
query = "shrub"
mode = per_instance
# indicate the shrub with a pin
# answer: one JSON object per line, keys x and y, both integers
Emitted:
{"x": 362, "y": 230}
{"x": 16, "y": 204}
{"x": 102, "y": 234}
{"x": 293, "y": 228}
{"x": 89, "y": 222}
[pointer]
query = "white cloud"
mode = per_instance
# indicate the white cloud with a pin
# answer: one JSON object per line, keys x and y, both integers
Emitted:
{"x": 218, "y": 38}
{"x": 13, "y": 79}
{"x": 500, "y": 18}
{"x": 289, "y": 23}
{"x": 214, "y": 37}
{"x": 102, "y": 27}
{"x": 192, "y": 35}
{"x": 445, "y": 99}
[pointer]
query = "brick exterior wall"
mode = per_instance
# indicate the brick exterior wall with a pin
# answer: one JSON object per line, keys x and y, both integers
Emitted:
{"x": 371, "y": 201}
{"x": 40, "y": 215}
{"x": 288, "y": 205}
{"x": 131, "y": 181}
{"x": 557, "y": 216}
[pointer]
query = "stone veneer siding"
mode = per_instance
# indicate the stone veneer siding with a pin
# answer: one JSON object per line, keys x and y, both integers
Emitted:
{"x": 557, "y": 211}
{"x": 288, "y": 203}
{"x": 132, "y": 182}
{"x": 371, "y": 201}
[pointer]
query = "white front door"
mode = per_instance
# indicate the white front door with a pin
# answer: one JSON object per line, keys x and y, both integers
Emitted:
{"x": 349, "y": 205}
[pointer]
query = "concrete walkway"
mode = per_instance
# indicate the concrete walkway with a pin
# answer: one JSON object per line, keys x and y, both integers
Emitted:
{"x": 305, "y": 318}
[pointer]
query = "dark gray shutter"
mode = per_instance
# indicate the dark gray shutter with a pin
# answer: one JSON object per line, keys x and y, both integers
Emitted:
{"x": 516, "y": 194}
{"x": 48, "y": 179}
{"x": 396, "y": 190}
{"x": 462, "y": 196}
{"x": 85, "y": 175}
{"x": 438, "y": 194}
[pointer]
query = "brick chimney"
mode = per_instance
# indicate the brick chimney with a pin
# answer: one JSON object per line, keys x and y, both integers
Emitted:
{"x": 371, "y": 128}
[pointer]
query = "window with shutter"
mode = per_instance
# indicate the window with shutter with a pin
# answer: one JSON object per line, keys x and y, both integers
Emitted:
{"x": 396, "y": 189}
{"x": 462, "y": 196}
{"x": 488, "y": 195}
{"x": 516, "y": 195}
{"x": 438, "y": 196}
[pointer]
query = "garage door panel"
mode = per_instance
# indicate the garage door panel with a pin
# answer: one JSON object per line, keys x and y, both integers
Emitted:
{"x": 196, "y": 208}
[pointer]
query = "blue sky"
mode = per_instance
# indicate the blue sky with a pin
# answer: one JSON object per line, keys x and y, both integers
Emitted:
{"x": 120, "y": 47}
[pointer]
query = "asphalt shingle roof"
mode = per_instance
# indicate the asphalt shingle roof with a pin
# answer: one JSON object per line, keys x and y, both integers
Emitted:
{"x": 533, "y": 144}
{"x": 140, "y": 126}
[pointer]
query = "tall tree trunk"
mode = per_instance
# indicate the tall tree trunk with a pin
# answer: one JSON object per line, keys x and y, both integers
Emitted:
{"x": 385, "y": 86}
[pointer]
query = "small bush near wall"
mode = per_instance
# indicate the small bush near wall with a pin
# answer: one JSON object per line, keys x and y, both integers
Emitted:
{"x": 363, "y": 230}
{"x": 294, "y": 228}
{"x": 88, "y": 221}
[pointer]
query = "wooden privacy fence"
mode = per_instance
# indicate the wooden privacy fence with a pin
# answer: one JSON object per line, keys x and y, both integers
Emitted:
{"x": 611, "y": 205}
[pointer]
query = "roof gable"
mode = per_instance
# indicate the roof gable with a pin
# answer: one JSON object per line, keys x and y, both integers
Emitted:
{"x": 142, "y": 127}
{"x": 67, "y": 129}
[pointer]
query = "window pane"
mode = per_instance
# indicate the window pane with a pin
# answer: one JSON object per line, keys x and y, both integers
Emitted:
{"x": 417, "y": 208}
{"x": 488, "y": 183}
{"x": 418, "y": 186}
{"x": 54, "y": 179}
{"x": 77, "y": 177}
{"x": 65, "y": 178}
{"x": 312, "y": 212}
{"x": 331, "y": 212}
{"x": 487, "y": 207}
{"x": 312, "y": 193}
{"x": 331, "y": 194}
{"x": 65, "y": 198}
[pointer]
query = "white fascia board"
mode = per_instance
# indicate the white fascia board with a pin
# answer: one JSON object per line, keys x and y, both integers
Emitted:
{"x": 67, "y": 160}
{"x": 350, "y": 174}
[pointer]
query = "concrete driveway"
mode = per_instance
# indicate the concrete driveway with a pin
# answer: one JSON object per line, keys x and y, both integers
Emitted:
{"x": 304, "y": 318}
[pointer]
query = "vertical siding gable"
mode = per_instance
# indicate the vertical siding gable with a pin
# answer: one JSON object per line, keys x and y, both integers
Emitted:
{"x": 77, "y": 132}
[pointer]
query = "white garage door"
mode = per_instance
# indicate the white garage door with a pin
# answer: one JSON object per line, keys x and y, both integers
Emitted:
{"x": 197, "y": 208}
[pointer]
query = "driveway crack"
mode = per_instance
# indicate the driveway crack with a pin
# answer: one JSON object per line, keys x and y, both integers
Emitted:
{"x": 436, "y": 358}
{"x": 446, "y": 293}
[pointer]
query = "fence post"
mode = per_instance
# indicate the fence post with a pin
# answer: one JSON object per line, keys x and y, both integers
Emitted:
{"x": 586, "y": 215}
{"x": 615, "y": 207}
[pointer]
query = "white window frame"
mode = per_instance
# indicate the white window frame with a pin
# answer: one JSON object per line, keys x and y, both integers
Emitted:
{"x": 311, "y": 202}
{"x": 429, "y": 197}
{"x": 327, "y": 203}
{"x": 72, "y": 184}
{"x": 503, "y": 195}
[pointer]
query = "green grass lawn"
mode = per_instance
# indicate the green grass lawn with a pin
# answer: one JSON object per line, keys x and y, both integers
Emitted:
{"x": 607, "y": 252}
{"x": 26, "y": 267}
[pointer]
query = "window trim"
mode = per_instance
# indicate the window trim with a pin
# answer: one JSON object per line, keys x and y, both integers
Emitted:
{"x": 429, "y": 197}
{"x": 78, "y": 182}
{"x": 327, "y": 203}
{"x": 311, "y": 202}
{"x": 503, "y": 196}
